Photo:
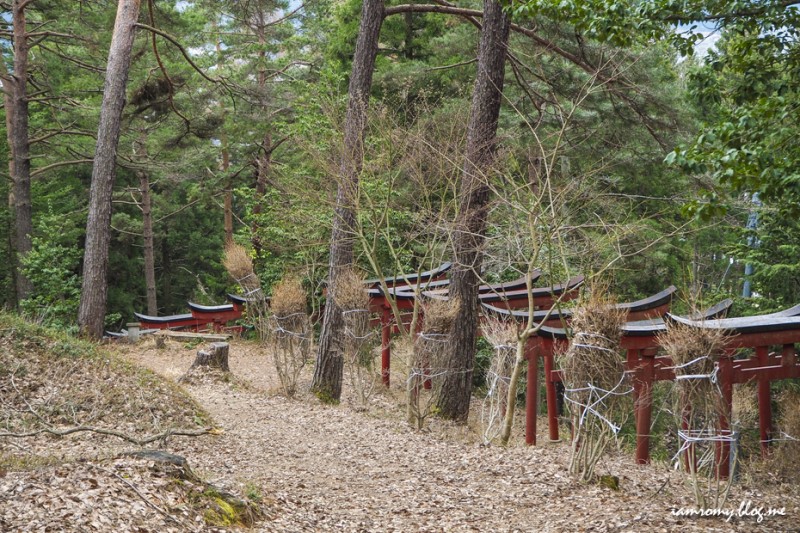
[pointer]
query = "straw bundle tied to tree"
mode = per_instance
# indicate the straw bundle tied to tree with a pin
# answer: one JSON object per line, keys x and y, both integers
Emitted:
{"x": 428, "y": 358}
{"x": 359, "y": 340}
{"x": 291, "y": 331}
{"x": 239, "y": 264}
{"x": 503, "y": 337}
{"x": 594, "y": 375}
{"x": 352, "y": 298}
{"x": 695, "y": 353}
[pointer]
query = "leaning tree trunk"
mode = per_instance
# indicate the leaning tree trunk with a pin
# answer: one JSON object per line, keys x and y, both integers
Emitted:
{"x": 468, "y": 237}
{"x": 328, "y": 370}
{"x": 20, "y": 152}
{"x": 92, "y": 310}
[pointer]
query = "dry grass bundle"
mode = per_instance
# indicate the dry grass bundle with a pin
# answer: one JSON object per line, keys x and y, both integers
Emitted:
{"x": 359, "y": 341}
{"x": 439, "y": 315}
{"x": 593, "y": 373}
{"x": 499, "y": 377}
{"x": 350, "y": 292}
{"x": 499, "y": 333}
{"x": 288, "y": 297}
{"x": 290, "y": 328}
{"x": 785, "y": 460}
{"x": 593, "y": 356}
{"x": 745, "y": 406}
{"x": 239, "y": 264}
{"x": 695, "y": 352}
{"x": 428, "y": 363}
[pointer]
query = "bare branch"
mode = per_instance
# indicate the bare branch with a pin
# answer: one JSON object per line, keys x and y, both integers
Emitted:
{"x": 60, "y": 164}
{"x": 114, "y": 433}
{"x": 183, "y": 51}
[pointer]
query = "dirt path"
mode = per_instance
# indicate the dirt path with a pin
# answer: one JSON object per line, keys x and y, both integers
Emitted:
{"x": 327, "y": 468}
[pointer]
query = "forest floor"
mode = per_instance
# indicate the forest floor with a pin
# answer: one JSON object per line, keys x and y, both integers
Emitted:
{"x": 316, "y": 467}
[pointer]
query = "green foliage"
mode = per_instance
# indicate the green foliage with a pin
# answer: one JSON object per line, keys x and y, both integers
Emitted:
{"x": 52, "y": 270}
{"x": 774, "y": 256}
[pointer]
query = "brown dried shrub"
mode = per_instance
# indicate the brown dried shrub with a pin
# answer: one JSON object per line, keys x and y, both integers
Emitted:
{"x": 288, "y": 297}
{"x": 239, "y": 264}
{"x": 350, "y": 291}
{"x": 785, "y": 460}
{"x": 593, "y": 356}
{"x": 439, "y": 315}
{"x": 694, "y": 352}
{"x": 593, "y": 371}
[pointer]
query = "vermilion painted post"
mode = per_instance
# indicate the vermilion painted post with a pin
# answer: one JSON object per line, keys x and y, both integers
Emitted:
{"x": 550, "y": 388}
{"x": 633, "y": 366}
{"x": 531, "y": 394}
{"x": 723, "y": 455}
{"x": 764, "y": 407}
{"x": 386, "y": 355}
{"x": 788, "y": 356}
{"x": 645, "y": 408}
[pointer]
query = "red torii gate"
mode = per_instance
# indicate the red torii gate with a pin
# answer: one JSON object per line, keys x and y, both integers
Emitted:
{"x": 641, "y": 344}
{"x": 509, "y": 293}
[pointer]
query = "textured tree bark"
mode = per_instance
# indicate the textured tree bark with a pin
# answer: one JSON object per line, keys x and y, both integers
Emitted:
{"x": 226, "y": 160}
{"x": 263, "y": 160}
{"x": 327, "y": 382}
{"x": 8, "y": 98}
{"x": 147, "y": 226}
{"x": 92, "y": 310}
{"x": 263, "y": 164}
{"x": 147, "y": 237}
{"x": 216, "y": 358}
{"x": 22, "y": 214}
{"x": 468, "y": 237}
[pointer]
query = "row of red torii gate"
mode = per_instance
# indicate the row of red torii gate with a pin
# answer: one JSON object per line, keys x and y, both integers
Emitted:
{"x": 770, "y": 341}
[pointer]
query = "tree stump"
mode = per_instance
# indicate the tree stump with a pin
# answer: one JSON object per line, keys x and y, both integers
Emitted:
{"x": 217, "y": 357}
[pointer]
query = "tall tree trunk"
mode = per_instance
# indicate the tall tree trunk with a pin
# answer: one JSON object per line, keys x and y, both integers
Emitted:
{"x": 8, "y": 99}
{"x": 22, "y": 214}
{"x": 468, "y": 237}
{"x": 147, "y": 238}
{"x": 263, "y": 163}
{"x": 146, "y": 206}
{"x": 92, "y": 310}
{"x": 328, "y": 370}
{"x": 226, "y": 157}
{"x": 263, "y": 160}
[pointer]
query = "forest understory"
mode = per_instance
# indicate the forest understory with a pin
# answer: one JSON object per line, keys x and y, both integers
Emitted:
{"x": 305, "y": 466}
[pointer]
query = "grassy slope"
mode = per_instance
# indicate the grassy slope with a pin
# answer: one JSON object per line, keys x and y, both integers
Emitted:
{"x": 50, "y": 379}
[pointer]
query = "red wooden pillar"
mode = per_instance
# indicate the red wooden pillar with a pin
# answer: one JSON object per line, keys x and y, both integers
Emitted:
{"x": 723, "y": 452}
{"x": 644, "y": 408}
{"x": 386, "y": 337}
{"x": 788, "y": 356}
{"x": 632, "y": 358}
{"x": 550, "y": 386}
{"x": 764, "y": 407}
{"x": 531, "y": 393}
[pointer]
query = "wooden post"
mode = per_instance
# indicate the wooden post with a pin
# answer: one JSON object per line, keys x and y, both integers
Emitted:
{"x": 386, "y": 337}
{"x": 550, "y": 389}
{"x": 645, "y": 408}
{"x": 531, "y": 394}
{"x": 764, "y": 407}
{"x": 723, "y": 452}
